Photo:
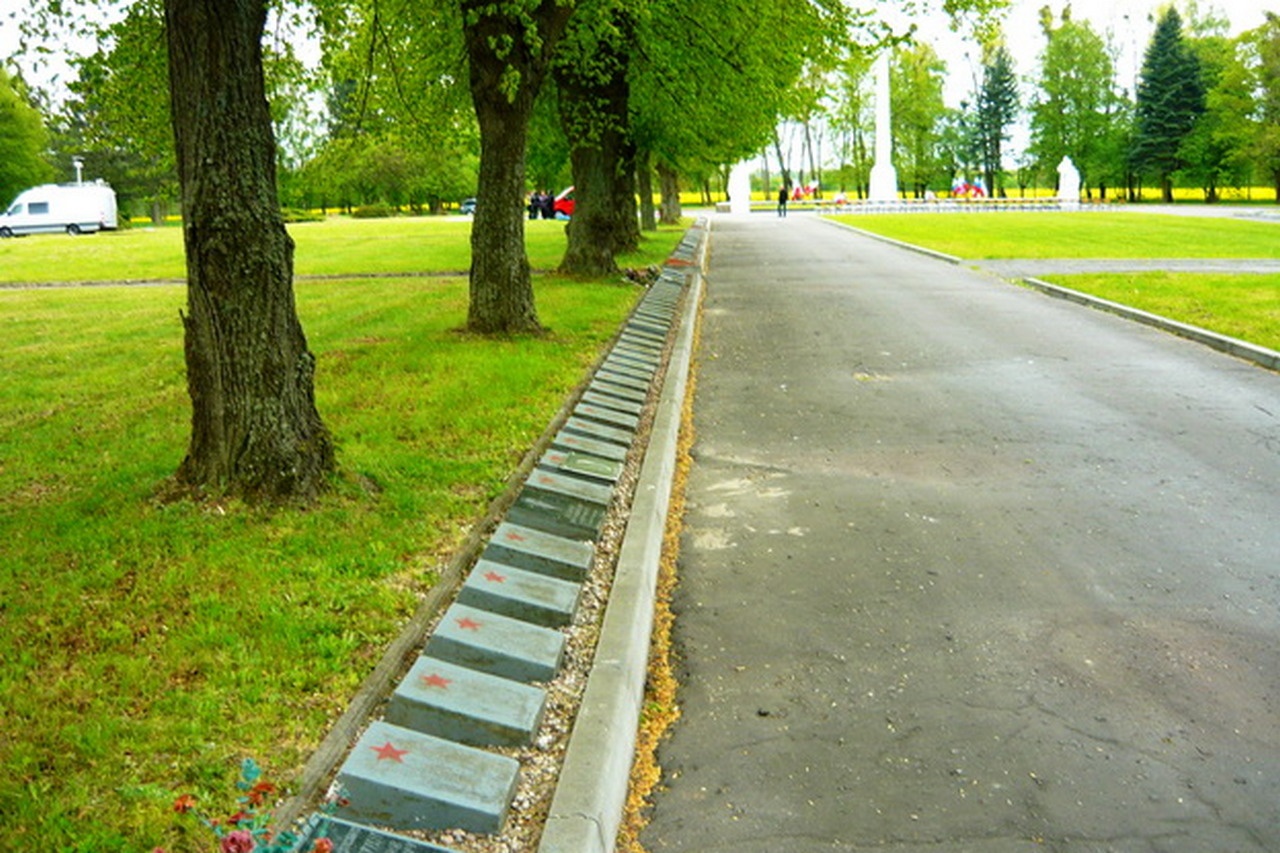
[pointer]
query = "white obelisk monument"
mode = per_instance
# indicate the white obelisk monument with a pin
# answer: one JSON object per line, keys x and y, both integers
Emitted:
{"x": 884, "y": 178}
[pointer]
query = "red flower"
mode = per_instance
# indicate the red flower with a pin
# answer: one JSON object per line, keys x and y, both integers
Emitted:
{"x": 322, "y": 845}
{"x": 260, "y": 791}
{"x": 239, "y": 818}
{"x": 184, "y": 804}
{"x": 239, "y": 841}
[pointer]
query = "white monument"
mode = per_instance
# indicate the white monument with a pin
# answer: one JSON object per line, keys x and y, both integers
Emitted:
{"x": 1068, "y": 185}
{"x": 884, "y": 178}
{"x": 740, "y": 189}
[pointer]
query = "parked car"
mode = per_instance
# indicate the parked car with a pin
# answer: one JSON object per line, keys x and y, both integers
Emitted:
{"x": 468, "y": 206}
{"x": 564, "y": 204}
{"x": 74, "y": 208}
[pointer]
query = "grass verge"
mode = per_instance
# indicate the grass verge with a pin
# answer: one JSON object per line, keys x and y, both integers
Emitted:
{"x": 336, "y": 246}
{"x": 1246, "y": 307}
{"x": 147, "y": 648}
{"x": 1091, "y": 234}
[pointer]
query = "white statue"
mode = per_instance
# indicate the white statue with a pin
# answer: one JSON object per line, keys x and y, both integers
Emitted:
{"x": 1068, "y": 184}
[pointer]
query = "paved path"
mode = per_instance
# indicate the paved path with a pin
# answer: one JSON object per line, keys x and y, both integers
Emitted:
{"x": 967, "y": 569}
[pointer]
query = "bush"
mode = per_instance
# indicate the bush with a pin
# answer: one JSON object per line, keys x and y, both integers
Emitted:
{"x": 296, "y": 214}
{"x": 381, "y": 210}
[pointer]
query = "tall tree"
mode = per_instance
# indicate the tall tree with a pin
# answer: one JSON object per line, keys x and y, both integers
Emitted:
{"x": 1170, "y": 100}
{"x": 918, "y": 110}
{"x": 509, "y": 46}
{"x": 592, "y": 74}
{"x": 255, "y": 429}
{"x": 1075, "y": 110}
{"x": 22, "y": 141}
{"x": 996, "y": 108}
{"x": 1211, "y": 150}
{"x": 1263, "y": 45}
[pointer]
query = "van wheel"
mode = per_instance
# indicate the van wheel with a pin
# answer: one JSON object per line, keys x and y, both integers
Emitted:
{"x": 5, "y": 233}
{"x": 73, "y": 229}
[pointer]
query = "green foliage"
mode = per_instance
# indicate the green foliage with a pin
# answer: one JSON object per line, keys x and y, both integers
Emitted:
{"x": 1170, "y": 100}
{"x": 1262, "y": 46}
{"x": 149, "y": 647}
{"x": 916, "y": 80}
{"x": 996, "y": 105}
{"x": 380, "y": 210}
{"x": 1076, "y": 235}
{"x": 1245, "y": 307}
{"x": 22, "y": 141}
{"x": 1076, "y": 112}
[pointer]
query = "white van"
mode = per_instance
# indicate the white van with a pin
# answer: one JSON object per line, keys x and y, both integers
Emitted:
{"x": 74, "y": 208}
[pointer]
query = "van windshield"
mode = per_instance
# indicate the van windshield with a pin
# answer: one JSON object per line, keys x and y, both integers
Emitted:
{"x": 13, "y": 211}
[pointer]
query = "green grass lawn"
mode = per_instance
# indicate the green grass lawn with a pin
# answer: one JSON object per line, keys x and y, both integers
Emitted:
{"x": 1244, "y": 306}
{"x": 1241, "y": 306}
{"x": 1087, "y": 234}
{"x": 336, "y": 246}
{"x": 147, "y": 648}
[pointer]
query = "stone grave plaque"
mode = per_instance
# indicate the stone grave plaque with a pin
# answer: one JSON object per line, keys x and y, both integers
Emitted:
{"x": 604, "y": 449}
{"x": 350, "y": 837}
{"x": 609, "y": 401}
{"x": 609, "y": 417}
{"x": 574, "y": 487}
{"x": 537, "y": 551}
{"x": 621, "y": 389}
{"x": 600, "y": 432}
{"x": 465, "y": 705}
{"x": 561, "y": 515}
{"x": 497, "y": 644}
{"x": 582, "y": 464}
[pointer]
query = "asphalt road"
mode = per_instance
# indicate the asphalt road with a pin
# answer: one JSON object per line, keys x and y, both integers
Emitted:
{"x": 966, "y": 568}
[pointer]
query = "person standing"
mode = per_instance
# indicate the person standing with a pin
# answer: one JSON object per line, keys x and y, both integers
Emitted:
{"x": 783, "y": 195}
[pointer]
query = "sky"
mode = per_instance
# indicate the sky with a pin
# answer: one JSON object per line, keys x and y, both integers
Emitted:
{"x": 1128, "y": 23}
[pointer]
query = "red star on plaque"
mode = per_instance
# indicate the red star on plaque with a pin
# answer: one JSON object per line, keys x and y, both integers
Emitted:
{"x": 512, "y": 536}
{"x": 466, "y": 623}
{"x": 436, "y": 680}
{"x": 545, "y": 480}
{"x": 388, "y": 752}
{"x": 555, "y": 457}
{"x": 494, "y": 577}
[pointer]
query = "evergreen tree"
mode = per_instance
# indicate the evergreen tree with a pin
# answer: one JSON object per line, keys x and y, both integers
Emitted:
{"x": 997, "y": 107}
{"x": 1170, "y": 99}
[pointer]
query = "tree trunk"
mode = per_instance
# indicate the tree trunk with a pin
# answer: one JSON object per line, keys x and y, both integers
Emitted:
{"x": 644, "y": 183}
{"x": 508, "y": 52}
{"x": 669, "y": 185}
{"x": 501, "y": 283}
{"x": 255, "y": 429}
{"x": 594, "y": 106}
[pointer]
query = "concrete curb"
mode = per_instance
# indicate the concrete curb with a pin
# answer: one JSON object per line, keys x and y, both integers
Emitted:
{"x": 1260, "y": 356}
{"x": 910, "y": 247}
{"x": 591, "y": 793}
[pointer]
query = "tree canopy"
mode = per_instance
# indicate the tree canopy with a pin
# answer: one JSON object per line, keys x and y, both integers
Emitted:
{"x": 1170, "y": 100}
{"x": 22, "y": 141}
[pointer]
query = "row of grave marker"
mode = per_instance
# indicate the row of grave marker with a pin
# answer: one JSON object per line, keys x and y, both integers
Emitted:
{"x": 425, "y": 765}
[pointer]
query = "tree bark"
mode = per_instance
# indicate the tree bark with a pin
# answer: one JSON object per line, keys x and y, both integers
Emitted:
{"x": 669, "y": 183}
{"x": 255, "y": 431}
{"x": 644, "y": 183}
{"x": 508, "y": 54}
{"x": 594, "y": 106}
